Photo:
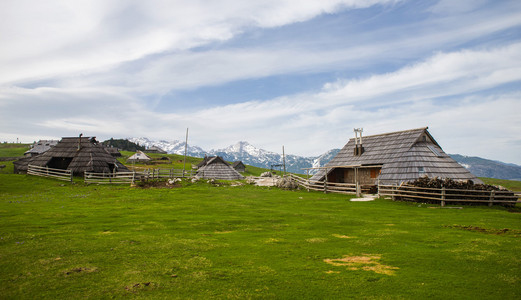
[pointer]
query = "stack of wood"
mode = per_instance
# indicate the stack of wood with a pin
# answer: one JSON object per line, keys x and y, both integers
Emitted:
{"x": 467, "y": 190}
{"x": 448, "y": 183}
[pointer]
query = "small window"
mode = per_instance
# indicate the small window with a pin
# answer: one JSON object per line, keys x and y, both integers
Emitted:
{"x": 421, "y": 170}
{"x": 433, "y": 150}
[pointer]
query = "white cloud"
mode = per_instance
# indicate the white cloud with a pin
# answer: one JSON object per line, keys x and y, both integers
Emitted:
{"x": 55, "y": 38}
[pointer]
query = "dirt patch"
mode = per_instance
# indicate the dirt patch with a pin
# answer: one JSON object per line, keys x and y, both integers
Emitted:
{"x": 487, "y": 230}
{"x": 157, "y": 184}
{"x": 340, "y": 236}
{"x": 366, "y": 262}
{"x": 138, "y": 286}
{"x": 81, "y": 270}
{"x": 316, "y": 240}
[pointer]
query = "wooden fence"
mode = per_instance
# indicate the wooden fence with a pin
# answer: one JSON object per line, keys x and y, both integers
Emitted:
{"x": 130, "y": 177}
{"x": 50, "y": 172}
{"x": 329, "y": 187}
{"x": 411, "y": 193}
{"x": 444, "y": 195}
{"x": 168, "y": 173}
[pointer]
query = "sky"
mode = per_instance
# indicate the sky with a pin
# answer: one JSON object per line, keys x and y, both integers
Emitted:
{"x": 295, "y": 73}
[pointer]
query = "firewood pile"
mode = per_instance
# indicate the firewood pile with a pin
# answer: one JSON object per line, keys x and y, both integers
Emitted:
{"x": 466, "y": 191}
{"x": 438, "y": 183}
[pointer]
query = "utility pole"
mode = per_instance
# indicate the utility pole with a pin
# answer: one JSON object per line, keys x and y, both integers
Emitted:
{"x": 186, "y": 145}
{"x": 283, "y": 161}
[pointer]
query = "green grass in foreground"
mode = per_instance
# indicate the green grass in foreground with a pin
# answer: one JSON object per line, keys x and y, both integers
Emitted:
{"x": 199, "y": 241}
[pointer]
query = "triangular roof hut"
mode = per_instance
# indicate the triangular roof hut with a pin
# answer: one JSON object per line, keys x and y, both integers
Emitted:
{"x": 217, "y": 168}
{"x": 139, "y": 156}
{"x": 40, "y": 147}
{"x": 155, "y": 149}
{"x": 239, "y": 166}
{"x": 78, "y": 154}
{"x": 392, "y": 158}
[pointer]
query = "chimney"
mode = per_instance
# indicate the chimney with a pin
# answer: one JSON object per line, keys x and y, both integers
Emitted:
{"x": 79, "y": 142}
{"x": 359, "y": 148}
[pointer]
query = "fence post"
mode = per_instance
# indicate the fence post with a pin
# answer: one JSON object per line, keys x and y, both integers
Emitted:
{"x": 492, "y": 194}
{"x": 442, "y": 196}
{"x": 357, "y": 189}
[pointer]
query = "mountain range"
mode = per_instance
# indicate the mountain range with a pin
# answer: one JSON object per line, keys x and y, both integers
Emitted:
{"x": 254, "y": 156}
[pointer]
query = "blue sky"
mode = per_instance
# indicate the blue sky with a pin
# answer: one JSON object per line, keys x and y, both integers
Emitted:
{"x": 301, "y": 74}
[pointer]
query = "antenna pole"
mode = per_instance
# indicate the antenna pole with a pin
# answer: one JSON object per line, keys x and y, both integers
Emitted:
{"x": 184, "y": 159}
{"x": 283, "y": 160}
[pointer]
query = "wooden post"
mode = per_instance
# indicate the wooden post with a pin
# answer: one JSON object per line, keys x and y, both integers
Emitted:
{"x": 392, "y": 192}
{"x": 442, "y": 196}
{"x": 357, "y": 183}
{"x": 283, "y": 161}
{"x": 325, "y": 183}
{"x": 491, "y": 199}
{"x": 184, "y": 159}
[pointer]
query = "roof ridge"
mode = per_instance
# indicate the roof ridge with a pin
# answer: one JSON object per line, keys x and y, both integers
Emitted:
{"x": 394, "y": 132}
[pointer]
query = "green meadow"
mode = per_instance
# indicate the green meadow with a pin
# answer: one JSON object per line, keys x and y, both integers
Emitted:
{"x": 204, "y": 241}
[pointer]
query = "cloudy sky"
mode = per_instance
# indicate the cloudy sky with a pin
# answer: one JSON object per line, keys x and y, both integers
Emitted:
{"x": 298, "y": 73}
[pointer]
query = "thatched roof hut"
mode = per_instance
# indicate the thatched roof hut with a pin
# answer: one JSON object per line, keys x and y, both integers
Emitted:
{"x": 78, "y": 154}
{"x": 239, "y": 166}
{"x": 392, "y": 158}
{"x": 217, "y": 168}
{"x": 113, "y": 151}
{"x": 138, "y": 157}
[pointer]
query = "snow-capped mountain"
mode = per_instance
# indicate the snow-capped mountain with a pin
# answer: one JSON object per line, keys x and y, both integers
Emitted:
{"x": 251, "y": 155}
{"x": 172, "y": 147}
{"x": 242, "y": 151}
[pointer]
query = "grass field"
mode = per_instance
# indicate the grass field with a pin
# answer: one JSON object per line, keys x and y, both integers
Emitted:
{"x": 199, "y": 241}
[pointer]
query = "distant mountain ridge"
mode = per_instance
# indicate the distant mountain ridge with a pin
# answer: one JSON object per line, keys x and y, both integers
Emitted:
{"x": 254, "y": 156}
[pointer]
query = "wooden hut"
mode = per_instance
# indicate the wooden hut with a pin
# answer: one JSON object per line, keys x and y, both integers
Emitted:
{"x": 217, "y": 168}
{"x": 392, "y": 158}
{"x": 40, "y": 147}
{"x": 78, "y": 154}
{"x": 139, "y": 157}
{"x": 239, "y": 166}
{"x": 113, "y": 151}
{"x": 155, "y": 149}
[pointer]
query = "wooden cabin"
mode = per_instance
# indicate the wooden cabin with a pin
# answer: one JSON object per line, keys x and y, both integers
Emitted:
{"x": 218, "y": 168}
{"x": 392, "y": 158}
{"x": 239, "y": 166}
{"x": 78, "y": 154}
{"x": 139, "y": 157}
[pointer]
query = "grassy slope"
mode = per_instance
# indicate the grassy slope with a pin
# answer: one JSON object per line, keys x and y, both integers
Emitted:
{"x": 200, "y": 241}
{"x": 11, "y": 150}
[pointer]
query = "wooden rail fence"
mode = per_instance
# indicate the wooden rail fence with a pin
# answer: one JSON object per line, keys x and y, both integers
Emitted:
{"x": 59, "y": 174}
{"x": 444, "y": 195}
{"x": 411, "y": 193}
{"x": 330, "y": 187}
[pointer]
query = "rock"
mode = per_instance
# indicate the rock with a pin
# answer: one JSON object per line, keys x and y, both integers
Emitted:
{"x": 266, "y": 174}
{"x": 287, "y": 184}
{"x": 2, "y": 166}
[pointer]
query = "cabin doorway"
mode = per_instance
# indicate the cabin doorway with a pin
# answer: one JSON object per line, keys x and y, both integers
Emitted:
{"x": 61, "y": 163}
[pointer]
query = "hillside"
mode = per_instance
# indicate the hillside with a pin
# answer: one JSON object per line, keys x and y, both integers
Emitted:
{"x": 488, "y": 168}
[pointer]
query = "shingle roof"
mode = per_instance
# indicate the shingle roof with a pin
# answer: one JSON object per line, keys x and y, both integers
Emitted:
{"x": 217, "y": 168}
{"x": 402, "y": 155}
{"x": 84, "y": 154}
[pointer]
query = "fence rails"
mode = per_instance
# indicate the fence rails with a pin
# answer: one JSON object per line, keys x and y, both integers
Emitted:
{"x": 168, "y": 173}
{"x": 444, "y": 195}
{"x": 114, "y": 178}
{"x": 59, "y": 174}
{"x": 411, "y": 193}
{"x": 327, "y": 187}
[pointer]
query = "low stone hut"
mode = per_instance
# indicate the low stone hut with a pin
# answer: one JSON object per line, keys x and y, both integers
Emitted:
{"x": 139, "y": 157}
